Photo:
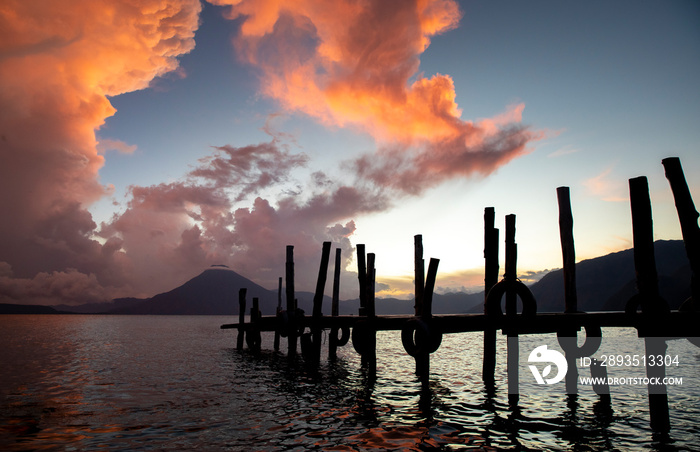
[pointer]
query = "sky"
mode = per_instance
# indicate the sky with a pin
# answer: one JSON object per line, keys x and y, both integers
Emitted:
{"x": 144, "y": 141}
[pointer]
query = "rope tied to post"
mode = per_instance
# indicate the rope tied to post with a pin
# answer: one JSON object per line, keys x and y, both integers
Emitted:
{"x": 344, "y": 337}
{"x": 569, "y": 342}
{"x": 293, "y": 323}
{"x": 508, "y": 285}
{"x": 362, "y": 335}
{"x": 419, "y": 337}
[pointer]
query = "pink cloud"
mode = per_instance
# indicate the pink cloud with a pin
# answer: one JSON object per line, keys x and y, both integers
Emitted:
{"x": 356, "y": 65}
{"x": 59, "y": 64}
{"x": 344, "y": 64}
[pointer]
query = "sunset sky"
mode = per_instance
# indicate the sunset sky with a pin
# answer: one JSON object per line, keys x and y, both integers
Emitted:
{"x": 143, "y": 141}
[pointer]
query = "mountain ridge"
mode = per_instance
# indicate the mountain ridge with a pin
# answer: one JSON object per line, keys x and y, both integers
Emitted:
{"x": 603, "y": 283}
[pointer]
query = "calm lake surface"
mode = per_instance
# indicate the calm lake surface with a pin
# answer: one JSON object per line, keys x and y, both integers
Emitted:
{"x": 73, "y": 382}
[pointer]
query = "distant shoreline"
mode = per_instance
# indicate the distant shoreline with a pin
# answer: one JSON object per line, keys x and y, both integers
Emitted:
{"x": 6, "y": 308}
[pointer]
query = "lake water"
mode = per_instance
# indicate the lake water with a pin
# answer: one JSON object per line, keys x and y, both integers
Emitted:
{"x": 72, "y": 382}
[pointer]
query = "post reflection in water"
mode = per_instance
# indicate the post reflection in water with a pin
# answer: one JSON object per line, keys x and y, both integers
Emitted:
{"x": 178, "y": 383}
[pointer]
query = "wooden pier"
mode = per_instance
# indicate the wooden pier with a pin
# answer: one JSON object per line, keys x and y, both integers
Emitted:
{"x": 422, "y": 333}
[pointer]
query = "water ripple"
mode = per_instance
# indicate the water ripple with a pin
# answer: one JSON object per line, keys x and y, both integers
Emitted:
{"x": 177, "y": 383}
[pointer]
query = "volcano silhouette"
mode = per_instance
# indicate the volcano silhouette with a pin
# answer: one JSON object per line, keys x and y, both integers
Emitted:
{"x": 212, "y": 292}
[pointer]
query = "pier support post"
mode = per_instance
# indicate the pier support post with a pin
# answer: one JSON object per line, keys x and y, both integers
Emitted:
{"x": 419, "y": 273}
{"x": 253, "y": 338}
{"x": 654, "y": 308}
{"x": 370, "y": 358}
{"x": 599, "y": 373}
{"x": 422, "y": 359}
{"x": 276, "y": 345}
{"x": 566, "y": 234}
{"x": 318, "y": 301}
{"x": 513, "y": 344}
{"x": 241, "y": 318}
{"x": 335, "y": 308}
{"x": 291, "y": 304}
{"x": 362, "y": 278}
{"x": 688, "y": 218}
{"x": 364, "y": 333}
{"x": 491, "y": 268}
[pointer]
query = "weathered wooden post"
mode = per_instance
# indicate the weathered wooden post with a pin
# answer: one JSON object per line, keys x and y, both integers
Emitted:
{"x": 688, "y": 218}
{"x": 318, "y": 301}
{"x": 334, "y": 341}
{"x": 419, "y": 273}
{"x": 422, "y": 358}
{"x": 513, "y": 344}
{"x": 241, "y": 318}
{"x": 426, "y": 314}
{"x": 364, "y": 333}
{"x": 566, "y": 232}
{"x": 370, "y": 357}
{"x": 654, "y": 308}
{"x": 362, "y": 277}
{"x": 512, "y": 288}
{"x": 253, "y": 338}
{"x": 491, "y": 268}
{"x": 599, "y": 373}
{"x": 291, "y": 305}
{"x": 419, "y": 336}
{"x": 279, "y": 309}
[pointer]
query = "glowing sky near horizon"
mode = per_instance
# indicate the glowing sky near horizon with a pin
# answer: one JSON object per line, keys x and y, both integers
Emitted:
{"x": 240, "y": 130}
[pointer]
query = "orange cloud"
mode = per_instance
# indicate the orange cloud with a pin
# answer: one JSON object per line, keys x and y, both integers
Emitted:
{"x": 59, "y": 63}
{"x": 606, "y": 189}
{"x": 349, "y": 63}
{"x": 356, "y": 64}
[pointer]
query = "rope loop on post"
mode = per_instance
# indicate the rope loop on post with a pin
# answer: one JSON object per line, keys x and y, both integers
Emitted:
{"x": 493, "y": 299}
{"x": 420, "y": 337}
{"x": 361, "y": 337}
{"x": 344, "y": 335}
{"x": 284, "y": 322}
{"x": 569, "y": 344}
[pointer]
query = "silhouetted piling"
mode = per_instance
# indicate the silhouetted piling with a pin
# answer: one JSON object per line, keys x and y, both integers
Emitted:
{"x": 688, "y": 218}
{"x": 362, "y": 278}
{"x": 333, "y": 341}
{"x": 422, "y": 359}
{"x": 600, "y": 375}
{"x": 426, "y": 314}
{"x": 364, "y": 333}
{"x": 566, "y": 233}
{"x": 419, "y": 273}
{"x": 253, "y": 338}
{"x": 279, "y": 309}
{"x": 291, "y": 304}
{"x": 241, "y": 318}
{"x": 370, "y": 358}
{"x": 491, "y": 268}
{"x": 653, "y": 306}
{"x": 513, "y": 344}
{"x": 318, "y": 301}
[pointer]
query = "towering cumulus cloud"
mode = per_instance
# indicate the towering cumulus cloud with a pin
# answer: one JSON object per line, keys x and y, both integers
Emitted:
{"x": 59, "y": 62}
{"x": 171, "y": 231}
{"x": 343, "y": 63}
{"x": 355, "y": 63}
